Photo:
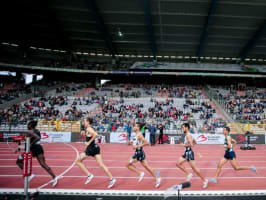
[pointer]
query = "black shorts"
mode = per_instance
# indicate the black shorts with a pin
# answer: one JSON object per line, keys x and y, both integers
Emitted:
{"x": 36, "y": 150}
{"x": 92, "y": 150}
{"x": 188, "y": 155}
{"x": 139, "y": 155}
{"x": 229, "y": 155}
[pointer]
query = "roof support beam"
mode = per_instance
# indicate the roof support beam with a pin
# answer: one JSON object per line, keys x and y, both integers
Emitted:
{"x": 252, "y": 42}
{"x": 101, "y": 26}
{"x": 204, "y": 34}
{"x": 149, "y": 24}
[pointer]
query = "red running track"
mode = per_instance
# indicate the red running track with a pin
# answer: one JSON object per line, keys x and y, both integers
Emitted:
{"x": 61, "y": 157}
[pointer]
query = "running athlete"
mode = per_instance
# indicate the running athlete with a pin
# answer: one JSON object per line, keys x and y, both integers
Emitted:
{"x": 138, "y": 144}
{"x": 92, "y": 149}
{"x": 188, "y": 156}
{"x": 37, "y": 151}
{"x": 229, "y": 155}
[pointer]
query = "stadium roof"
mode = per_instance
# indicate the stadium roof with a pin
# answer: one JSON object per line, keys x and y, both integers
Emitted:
{"x": 195, "y": 28}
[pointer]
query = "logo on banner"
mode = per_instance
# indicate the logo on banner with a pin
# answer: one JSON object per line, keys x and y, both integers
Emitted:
{"x": 254, "y": 139}
{"x": 201, "y": 138}
{"x": 122, "y": 137}
{"x": 240, "y": 138}
{"x": 44, "y": 136}
{"x": 209, "y": 138}
{"x": 56, "y": 137}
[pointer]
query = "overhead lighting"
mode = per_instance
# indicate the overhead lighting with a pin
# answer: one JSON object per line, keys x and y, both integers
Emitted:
{"x": 172, "y": 56}
{"x": 220, "y": 58}
{"x": 85, "y": 53}
{"x": 195, "y": 57}
{"x": 99, "y": 54}
{"x": 62, "y": 51}
{"x": 5, "y": 43}
{"x": 48, "y": 49}
{"x": 208, "y": 58}
{"x": 13, "y": 45}
{"x": 133, "y": 56}
{"x": 107, "y": 55}
{"x": 78, "y": 53}
{"x": 247, "y": 59}
{"x": 159, "y": 56}
{"x": 139, "y": 56}
{"x": 214, "y": 58}
{"x": 166, "y": 56}
{"x": 120, "y": 55}
{"x": 186, "y": 57}
{"x": 261, "y": 60}
{"x": 119, "y": 33}
{"x": 56, "y": 50}
{"x": 227, "y": 58}
{"x": 179, "y": 57}
{"x": 33, "y": 47}
{"x": 145, "y": 56}
{"x": 254, "y": 59}
{"x": 92, "y": 54}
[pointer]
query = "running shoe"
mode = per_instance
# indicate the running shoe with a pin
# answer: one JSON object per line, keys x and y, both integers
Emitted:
{"x": 55, "y": 181}
{"x": 205, "y": 183}
{"x": 254, "y": 169}
{"x": 213, "y": 180}
{"x": 158, "y": 182}
{"x": 112, "y": 182}
{"x": 141, "y": 176}
{"x": 90, "y": 177}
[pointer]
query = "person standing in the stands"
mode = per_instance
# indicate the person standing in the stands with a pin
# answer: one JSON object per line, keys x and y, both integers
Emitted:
{"x": 161, "y": 134}
{"x": 152, "y": 130}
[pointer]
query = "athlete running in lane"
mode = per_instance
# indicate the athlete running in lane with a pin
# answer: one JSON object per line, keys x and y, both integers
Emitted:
{"x": 37, "y": 151}
{"x": 189, "y": 156}
{"x": 92, "y": 149}
{"x": 138, "y": 143}
{"x": 229, "y": 155}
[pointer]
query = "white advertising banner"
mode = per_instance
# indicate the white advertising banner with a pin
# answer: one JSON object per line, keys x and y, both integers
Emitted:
{"x": 209, "y": 138}
{"x": 56, "y": 137}
{"x": 121, "y": 137}
{"x": 118, "y": 137}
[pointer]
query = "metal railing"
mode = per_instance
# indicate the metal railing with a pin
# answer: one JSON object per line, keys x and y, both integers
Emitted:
{"x": 59, "y": 126}
{"x": 254, "y": 128}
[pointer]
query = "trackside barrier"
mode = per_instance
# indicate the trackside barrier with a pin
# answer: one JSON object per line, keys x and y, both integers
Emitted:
{"x": 59, "y": 126}
{"x": 254, "y": 128}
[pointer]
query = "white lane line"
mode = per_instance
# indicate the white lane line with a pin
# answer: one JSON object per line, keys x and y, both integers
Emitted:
{"x": 106, "y": 193}
{"x": 150, "y": 161}
{"x": 136, "y": 177}
{"x": 96, "y": 167}
{"x": 119, "y": 156}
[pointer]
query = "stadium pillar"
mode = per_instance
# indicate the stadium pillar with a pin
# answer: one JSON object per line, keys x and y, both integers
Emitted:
{"x": 19, "y": 75}
{"x": 97, "y": 82}
{"x": 34, "y": 78}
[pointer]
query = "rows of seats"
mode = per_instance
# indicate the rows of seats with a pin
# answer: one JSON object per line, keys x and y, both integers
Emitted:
{"x": 246, "y": 105}
{"x": 171, "y": 113}
{"x": 180, "y": 104}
